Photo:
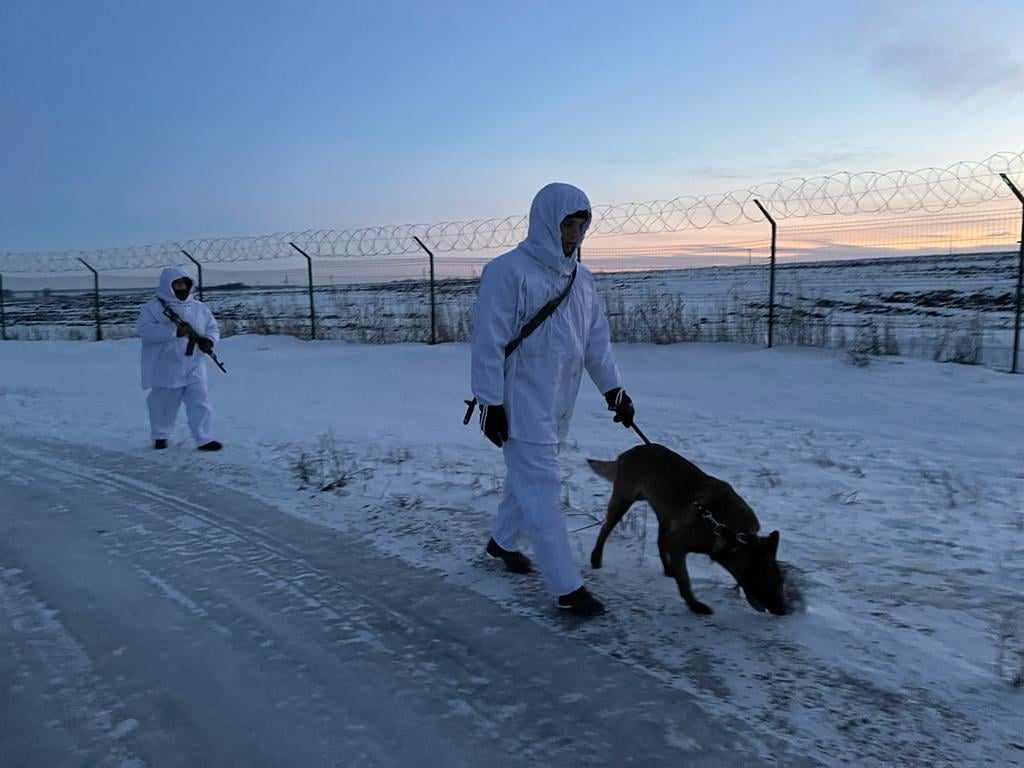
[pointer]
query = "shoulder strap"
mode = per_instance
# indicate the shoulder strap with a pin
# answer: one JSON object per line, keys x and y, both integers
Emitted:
{"x": 545, "y": 312}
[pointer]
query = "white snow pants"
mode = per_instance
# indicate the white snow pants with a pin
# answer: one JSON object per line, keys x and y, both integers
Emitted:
{"x": 531, "y": 506}
{"x": 163, "y": 405}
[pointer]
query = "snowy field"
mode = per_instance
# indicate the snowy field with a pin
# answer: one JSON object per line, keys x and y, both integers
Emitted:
{"x": 898, "y": 489}
{"x": 957, "y": 307}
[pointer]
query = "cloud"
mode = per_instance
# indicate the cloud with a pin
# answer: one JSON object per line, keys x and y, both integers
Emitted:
{"x": 951, "y": 72}
{"x": 712, "y": 172}
{"x": 820, "y": 162}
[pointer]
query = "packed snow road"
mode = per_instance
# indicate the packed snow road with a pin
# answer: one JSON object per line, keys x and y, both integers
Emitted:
{"x": 149, "y": 619}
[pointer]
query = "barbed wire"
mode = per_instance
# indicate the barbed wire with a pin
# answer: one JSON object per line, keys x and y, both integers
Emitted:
{"x": 965, "y": 183}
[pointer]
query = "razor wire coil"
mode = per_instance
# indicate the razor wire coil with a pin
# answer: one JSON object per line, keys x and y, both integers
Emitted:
{"x": 929, "y": 190}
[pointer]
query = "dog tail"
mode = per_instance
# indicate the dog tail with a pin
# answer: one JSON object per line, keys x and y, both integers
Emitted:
{"x": 605, "y": 469}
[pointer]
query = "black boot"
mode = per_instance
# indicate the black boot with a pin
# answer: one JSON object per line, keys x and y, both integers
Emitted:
{"x": 581, "y": 603}
{"x": 516, "y": 562}
{"x": 160, "y": 444}
{"x": 213, "y": 445}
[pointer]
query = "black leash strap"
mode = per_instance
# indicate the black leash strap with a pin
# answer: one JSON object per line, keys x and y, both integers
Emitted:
{"x": 545, "y": 312}
{"x": 642, "y": 435}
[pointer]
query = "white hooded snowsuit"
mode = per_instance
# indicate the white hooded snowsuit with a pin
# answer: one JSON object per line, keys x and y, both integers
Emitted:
{"x": 539, "y": 382}
{"x": 170, "y": 374}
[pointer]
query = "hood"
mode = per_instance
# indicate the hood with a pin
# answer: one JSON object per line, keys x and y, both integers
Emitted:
{"x": 168, "y": 276}
{"x": 544, "y": 237}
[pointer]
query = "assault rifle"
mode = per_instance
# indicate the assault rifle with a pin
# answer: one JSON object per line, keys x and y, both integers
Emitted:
{"x": 193, "y": 337}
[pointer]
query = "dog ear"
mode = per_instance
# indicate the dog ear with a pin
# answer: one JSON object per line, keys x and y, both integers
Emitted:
{"x": 772, "y": 543}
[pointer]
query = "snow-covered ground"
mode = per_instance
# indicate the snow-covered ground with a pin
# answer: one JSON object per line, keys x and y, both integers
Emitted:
{"x": 898, "y": 489}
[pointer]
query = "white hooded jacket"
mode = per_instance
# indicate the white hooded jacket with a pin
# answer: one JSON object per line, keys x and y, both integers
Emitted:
{"x": 539, "y": 382}
{"x": 164, "y": 363}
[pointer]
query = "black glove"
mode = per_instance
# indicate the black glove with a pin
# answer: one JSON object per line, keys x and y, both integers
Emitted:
{"x": 621, "y": 403}
{"x": 185, "y": 330}
{"x": 205, "y": 344}
{"x": 494, "y": 423}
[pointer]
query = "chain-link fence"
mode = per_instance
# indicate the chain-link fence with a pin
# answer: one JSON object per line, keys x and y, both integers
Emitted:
{"x": 944, "y": 284}
{"x": 941, "y": 286}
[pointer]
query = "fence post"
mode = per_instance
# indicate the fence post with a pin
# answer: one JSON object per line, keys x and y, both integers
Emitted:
{"x": 96, "y": 298}
{"x": 771, "y": 278}
{"x": 1020, "y": 275}
{"x": 3, "y": 312}
{"x": 312, "y": 308}
{"x": 433, "y": 301}
{"x": 198, "y": 267}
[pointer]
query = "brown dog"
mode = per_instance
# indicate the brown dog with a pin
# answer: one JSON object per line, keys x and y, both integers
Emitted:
{"x": 696, "y": 513}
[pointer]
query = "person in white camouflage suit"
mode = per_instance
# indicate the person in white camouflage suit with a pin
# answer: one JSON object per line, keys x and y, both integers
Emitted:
{"x": 170, "y": 371}
{"x": 527, "y": 398}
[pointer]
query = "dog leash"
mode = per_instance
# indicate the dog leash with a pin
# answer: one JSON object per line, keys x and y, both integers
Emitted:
{"x": 639, "y": 432}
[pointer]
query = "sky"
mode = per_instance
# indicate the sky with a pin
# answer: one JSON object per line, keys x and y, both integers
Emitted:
{"x": 126, "y": 123}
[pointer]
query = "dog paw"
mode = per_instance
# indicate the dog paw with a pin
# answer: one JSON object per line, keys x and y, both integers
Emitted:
{"x": 700, "y": 608}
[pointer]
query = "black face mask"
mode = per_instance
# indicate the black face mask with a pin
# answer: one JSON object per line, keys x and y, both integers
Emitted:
{"x": 183, "y": 293}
